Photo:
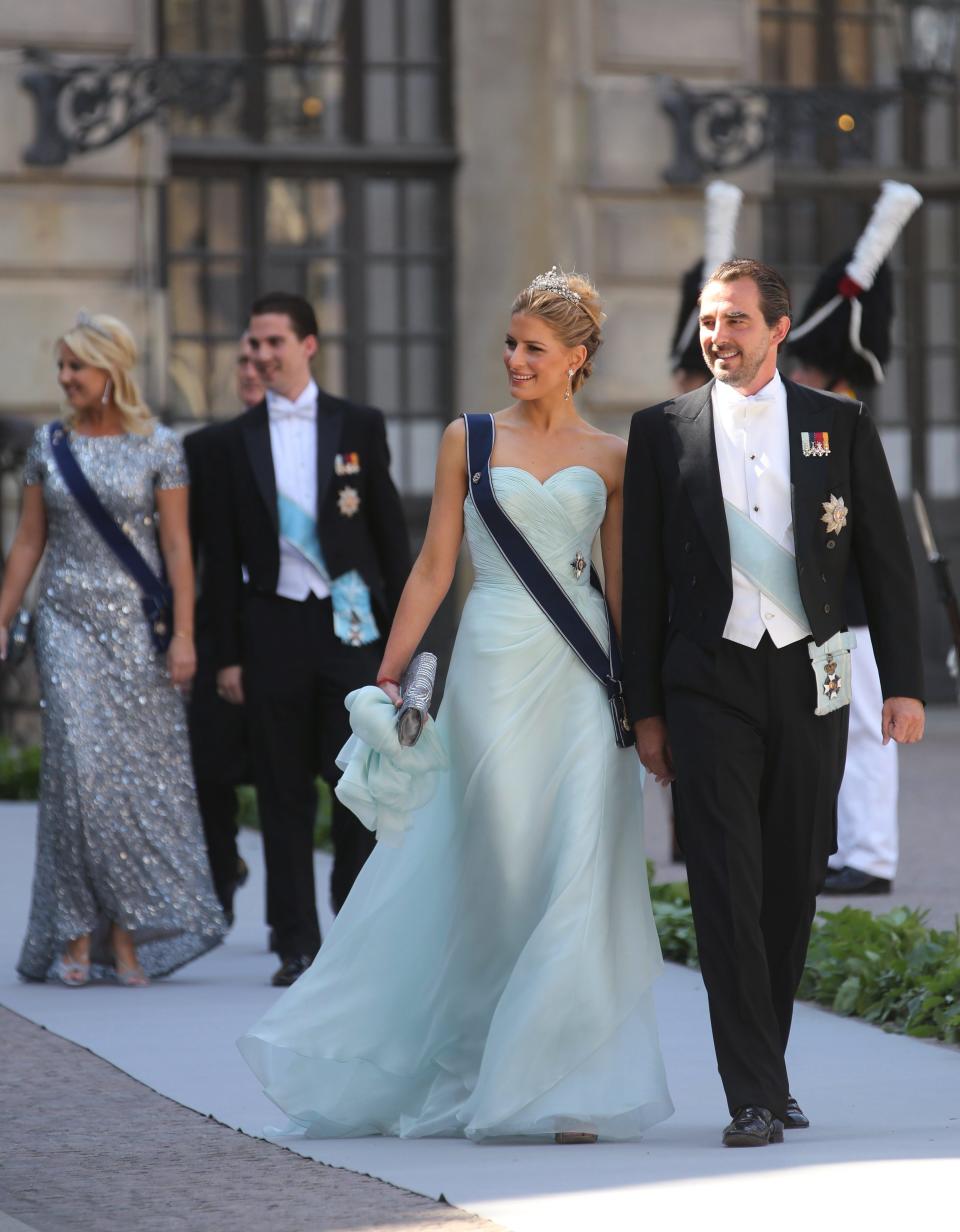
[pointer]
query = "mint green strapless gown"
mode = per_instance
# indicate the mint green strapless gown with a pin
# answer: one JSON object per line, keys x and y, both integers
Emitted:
{"x": 491, "y": 977}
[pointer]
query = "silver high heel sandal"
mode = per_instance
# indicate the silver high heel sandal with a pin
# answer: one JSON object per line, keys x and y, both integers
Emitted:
{"x": 131, "y": 977}
{"x": 71, "y": 973}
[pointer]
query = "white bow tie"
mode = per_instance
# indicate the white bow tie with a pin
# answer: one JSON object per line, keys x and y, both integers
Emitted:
{"x": 751, "y": 406}
{"x": 284, "y": 414}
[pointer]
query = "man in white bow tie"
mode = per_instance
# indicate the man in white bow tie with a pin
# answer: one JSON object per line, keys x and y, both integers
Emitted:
{"x": 311, "y": 557}
{"x": 746, "y": 503}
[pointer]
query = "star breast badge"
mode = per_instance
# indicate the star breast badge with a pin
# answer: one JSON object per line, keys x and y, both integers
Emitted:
{"x": 348, "y": 501}
{"x": 834, "y": 514}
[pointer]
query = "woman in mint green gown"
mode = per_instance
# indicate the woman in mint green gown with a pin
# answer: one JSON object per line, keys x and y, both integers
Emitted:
{"x": 491, "y": 975}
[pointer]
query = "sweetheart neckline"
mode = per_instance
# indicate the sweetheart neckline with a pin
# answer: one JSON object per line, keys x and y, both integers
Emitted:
{"x": 577, "y": 466}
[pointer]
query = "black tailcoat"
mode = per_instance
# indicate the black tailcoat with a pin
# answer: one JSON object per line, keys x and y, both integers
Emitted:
{"x": 757, "y": 773}
{"x": 373, "y": 540}
{"x": 677, "y": 554}
{"x": 296, "y": 673}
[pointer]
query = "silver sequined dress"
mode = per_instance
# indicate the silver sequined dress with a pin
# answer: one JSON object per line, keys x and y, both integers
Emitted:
{"x": 119, "y": 835}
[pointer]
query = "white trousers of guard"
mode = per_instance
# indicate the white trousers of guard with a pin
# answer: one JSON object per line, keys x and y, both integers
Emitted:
{"x": 867, "y": 830}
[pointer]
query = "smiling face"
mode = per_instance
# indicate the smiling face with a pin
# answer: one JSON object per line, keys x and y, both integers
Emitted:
{"x": 536, "y": 360}
{"x": 739, "y": 347}
{"x": 282, "y": 359}
{"x": 82, "y": 384}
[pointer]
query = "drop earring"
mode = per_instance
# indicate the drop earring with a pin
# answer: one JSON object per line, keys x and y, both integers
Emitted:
{"x": 107, "y": 392}
{"x": 569, "y": 389}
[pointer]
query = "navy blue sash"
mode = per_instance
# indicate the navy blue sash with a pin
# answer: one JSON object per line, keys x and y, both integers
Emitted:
{"x": 157, "y": 595}
{"x": 539, "y": 580}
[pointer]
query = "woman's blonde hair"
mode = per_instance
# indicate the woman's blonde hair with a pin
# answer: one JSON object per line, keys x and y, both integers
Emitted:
{"x": 570, "y": 305}
{"x": 104, "y": 342}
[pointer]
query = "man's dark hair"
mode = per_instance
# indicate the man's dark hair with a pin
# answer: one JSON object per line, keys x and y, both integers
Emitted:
{"x": 774, "y": 293}
{"x": 301, "y": 314}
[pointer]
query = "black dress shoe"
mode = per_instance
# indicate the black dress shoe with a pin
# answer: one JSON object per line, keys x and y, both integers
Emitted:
{"x": 290, "y": 970}
{"x": 851, "y": 881}
{"x": 794, "y": 1117}
{"x": 752, "y": 1126}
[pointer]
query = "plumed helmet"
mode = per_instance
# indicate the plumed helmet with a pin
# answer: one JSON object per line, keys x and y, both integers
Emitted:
{"x": 827, "y": 345}
{"x": 685, "y": 352}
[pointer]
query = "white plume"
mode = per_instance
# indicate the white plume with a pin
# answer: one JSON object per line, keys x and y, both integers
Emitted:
{"x": 891, "y": 213}
{"x": 722, "y": 209}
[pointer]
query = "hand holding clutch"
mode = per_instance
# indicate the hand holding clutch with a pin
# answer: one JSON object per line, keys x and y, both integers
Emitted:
{"x": 383, "y": 782}
{"x": 416, "y": 690}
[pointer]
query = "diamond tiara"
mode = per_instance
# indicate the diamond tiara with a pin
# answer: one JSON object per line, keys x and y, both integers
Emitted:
{"x": 555, "y": 281}
{"x": 85, "y": 321}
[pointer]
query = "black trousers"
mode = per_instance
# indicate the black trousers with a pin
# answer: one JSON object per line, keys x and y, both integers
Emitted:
{"x": 757, "y": 780}
{"x": 296, "y": 675}
{"x": 218, "y": 747}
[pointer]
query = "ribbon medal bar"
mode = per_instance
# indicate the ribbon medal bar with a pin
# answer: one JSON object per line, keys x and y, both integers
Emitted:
{"x": 815, "y": 444}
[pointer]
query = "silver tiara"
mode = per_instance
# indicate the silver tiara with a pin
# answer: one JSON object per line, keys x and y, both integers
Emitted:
{"x": 555, "y": 281}
{"x": 85, "y": 321}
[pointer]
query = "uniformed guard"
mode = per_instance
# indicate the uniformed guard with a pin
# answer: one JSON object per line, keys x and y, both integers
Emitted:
{"x": 842, "y": 344}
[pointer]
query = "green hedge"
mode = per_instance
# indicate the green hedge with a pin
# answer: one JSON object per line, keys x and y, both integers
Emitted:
{"x": 19, "y": 771}
{"x": 889, "y": 969}
{"x": 248, "y": 816}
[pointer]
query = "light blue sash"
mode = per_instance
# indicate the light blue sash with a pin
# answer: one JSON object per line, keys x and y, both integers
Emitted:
{"x": 773, "y": 570}
{"x": 353, "y": 619}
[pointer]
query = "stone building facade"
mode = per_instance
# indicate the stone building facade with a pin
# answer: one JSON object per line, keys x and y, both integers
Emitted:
{"x": 414, "y": 178}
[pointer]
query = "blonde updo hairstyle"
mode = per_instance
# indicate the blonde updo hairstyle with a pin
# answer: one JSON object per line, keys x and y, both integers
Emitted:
{"x": 104, "y": 342}
{"x": 575, "y": 322}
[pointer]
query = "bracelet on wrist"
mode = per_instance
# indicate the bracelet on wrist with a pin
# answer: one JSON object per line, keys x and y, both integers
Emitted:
{"x": 388, "y": 680}
{"x": 184, "y": 633}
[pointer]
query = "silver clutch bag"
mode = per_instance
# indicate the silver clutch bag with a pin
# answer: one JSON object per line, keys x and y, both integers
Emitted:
{"x": 416, "y": 690}
{"x": 19, "y": 637}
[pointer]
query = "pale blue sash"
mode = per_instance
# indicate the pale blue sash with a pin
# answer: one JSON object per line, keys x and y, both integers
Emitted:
{"x": 770, "y": 567}
{"x": 353, "y": 620}
{"x": 773, "y": 570}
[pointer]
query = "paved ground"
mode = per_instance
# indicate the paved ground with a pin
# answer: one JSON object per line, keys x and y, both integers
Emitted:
{"x": 85, "y": 1148}
{"x": 929, "y": 873}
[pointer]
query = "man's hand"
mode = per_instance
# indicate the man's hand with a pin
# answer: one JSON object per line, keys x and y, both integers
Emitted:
{"x": 230, "y": 684}
{"x": 903, "y": 720}
{"x": 653, "y": 748}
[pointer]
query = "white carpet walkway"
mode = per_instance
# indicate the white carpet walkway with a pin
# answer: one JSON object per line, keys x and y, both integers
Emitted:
{"x": 883, "y": 1153}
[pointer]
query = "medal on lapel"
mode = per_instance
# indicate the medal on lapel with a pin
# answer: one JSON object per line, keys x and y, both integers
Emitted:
{"x": 346, "y": 464}
{"x": 348, "y": 501}
{"x": 834, "y": 514}
{"x": 815, "y": 444}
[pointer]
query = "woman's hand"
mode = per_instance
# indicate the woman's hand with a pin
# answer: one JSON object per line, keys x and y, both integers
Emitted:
{"x": 392, "y": 691}
{"x": 181, "y": 660}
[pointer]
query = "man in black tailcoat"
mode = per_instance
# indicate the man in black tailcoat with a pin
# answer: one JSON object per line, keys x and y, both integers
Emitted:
{"x": 310, "y": 557}
{"x": 718, "y": 669}
{"x": 217, "y": 735}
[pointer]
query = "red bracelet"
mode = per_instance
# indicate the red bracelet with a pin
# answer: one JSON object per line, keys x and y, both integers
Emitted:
{"x": 388, "y": 680}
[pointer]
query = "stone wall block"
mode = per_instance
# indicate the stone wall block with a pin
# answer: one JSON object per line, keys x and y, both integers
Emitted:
{"x": 680, "y": 36}
{"x": 60, "y": 24}
{"x": 632, "y": 370}
{"x": 41, "y": 227}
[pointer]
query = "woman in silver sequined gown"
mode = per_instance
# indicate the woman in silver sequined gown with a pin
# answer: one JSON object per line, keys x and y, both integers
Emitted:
{"x": 122, "y": 886}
